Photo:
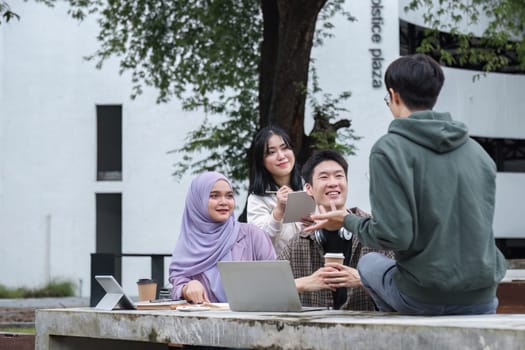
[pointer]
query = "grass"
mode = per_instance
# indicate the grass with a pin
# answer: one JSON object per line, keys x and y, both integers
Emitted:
{"x": 55, "y": 288}
{"x": 25, "y": 330}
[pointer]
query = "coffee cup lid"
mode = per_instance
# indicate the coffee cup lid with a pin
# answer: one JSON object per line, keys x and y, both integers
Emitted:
{"x": 334, "y": 255}
{"x": 145, "y": 281}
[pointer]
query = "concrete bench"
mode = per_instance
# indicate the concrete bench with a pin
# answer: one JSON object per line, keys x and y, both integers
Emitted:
{"x": 87, "y": 328}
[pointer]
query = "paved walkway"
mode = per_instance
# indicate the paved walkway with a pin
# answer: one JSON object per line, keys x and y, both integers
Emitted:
{"x": 39, "y": 303}
{"x": 21, "y": 312}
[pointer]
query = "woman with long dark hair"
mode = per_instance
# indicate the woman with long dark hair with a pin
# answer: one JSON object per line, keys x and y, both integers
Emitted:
{"x": 274, "y": 173}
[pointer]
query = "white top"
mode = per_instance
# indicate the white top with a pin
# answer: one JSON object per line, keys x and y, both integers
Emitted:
{"x": 260, "y": 214}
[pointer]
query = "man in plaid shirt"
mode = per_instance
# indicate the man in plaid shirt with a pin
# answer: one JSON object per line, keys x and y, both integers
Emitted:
{"x": 332, "y": 285}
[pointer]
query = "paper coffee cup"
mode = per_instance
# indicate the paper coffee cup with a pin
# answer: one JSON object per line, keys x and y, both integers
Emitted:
{"x": 147, "y": 289}
{"x": 334, "y": 258}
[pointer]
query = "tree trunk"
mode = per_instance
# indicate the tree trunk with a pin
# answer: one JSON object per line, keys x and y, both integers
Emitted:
{"x": 288, "y": 33}
{"x": 289, "y": 27}
{"x": 296, "y": 33}
{"x": 269, "y": 49}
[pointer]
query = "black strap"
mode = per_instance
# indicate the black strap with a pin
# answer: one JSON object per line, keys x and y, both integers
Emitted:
{"x": 335, "y": 244}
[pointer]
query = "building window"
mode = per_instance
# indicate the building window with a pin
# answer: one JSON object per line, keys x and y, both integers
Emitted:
{"x": 509, "y": 154}
{"x": 109, "y": 223}
{"x": 109, "y": 142}
{"x": 108, "y": 240}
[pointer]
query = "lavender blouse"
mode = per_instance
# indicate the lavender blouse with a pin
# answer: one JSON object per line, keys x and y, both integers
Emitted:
{"x": 252, "y": 244}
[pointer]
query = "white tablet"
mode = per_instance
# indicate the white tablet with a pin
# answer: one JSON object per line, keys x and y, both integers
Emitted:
{"x": 298, "y": 206}
{"x": 115, "y": 296}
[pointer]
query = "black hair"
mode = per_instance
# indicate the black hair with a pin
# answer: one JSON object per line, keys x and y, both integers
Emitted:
{"x": 418, "y": 80}
{"x": 261, "y": 179}
{"x": 319, "y": 157}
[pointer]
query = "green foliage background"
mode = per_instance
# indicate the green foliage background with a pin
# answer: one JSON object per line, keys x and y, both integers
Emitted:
{"x": 503, "y": 37}
{"x": 206, "y": 53}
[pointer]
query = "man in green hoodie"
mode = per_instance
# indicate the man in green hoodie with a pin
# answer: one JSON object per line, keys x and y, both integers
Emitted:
{"x": 432, "y": 193}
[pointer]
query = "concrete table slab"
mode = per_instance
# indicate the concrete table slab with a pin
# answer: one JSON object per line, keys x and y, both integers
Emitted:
{"x": 87, "y": 328}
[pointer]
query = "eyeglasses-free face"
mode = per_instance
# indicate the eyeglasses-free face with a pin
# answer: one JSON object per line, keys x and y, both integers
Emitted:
{"x": 279, "y": 159}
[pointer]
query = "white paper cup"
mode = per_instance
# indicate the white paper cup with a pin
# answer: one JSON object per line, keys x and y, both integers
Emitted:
{"x": 334, "y": 258}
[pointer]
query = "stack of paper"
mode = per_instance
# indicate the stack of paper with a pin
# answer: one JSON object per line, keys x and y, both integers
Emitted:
{"x": 174, "y": 304}
{"x": 160, "y": 305}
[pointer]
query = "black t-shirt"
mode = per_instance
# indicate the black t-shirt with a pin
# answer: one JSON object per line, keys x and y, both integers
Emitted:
{"x": 335, "y": 244}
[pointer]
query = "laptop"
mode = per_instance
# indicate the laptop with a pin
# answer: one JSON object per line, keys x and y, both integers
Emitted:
{"x": 261, "y": 286}
{"x": 115, "y": 296}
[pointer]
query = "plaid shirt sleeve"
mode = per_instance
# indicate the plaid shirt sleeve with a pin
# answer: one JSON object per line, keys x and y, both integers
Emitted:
{"x": 306, "y": 257}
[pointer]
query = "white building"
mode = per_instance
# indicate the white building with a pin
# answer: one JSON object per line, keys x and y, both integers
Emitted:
{"x": 54, "y": 213}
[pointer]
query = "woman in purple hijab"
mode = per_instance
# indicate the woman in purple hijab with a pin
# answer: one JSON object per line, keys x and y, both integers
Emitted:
{"x": 209, "y": 234}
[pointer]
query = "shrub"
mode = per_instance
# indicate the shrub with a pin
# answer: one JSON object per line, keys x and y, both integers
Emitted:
{"x": 55, "y": 288}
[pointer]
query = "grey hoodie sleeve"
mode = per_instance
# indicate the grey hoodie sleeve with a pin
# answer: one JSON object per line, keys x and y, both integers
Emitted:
{"x": 391, "y": 225}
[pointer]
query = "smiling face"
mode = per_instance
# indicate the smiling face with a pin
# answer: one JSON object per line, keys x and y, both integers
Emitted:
{"x": 328, "y": 184}
{"x": 221, "y": 201}
{"x": 279, "y": 160}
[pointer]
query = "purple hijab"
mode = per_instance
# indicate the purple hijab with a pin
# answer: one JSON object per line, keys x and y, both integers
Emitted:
{"x": 202, "y": 241}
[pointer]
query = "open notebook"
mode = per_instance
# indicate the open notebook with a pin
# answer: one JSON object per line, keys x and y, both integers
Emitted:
{"x": 261, "y": 286}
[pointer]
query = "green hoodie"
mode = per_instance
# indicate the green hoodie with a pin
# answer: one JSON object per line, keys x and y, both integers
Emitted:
{"x": 432, "y": 192}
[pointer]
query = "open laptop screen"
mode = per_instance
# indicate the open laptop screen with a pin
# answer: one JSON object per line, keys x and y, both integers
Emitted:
{"x": 260, "y": 286}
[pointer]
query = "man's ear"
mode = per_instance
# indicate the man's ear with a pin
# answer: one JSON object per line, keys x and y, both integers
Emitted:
{"x": 308, "y": 189}
{"x": 396, "y": 98}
